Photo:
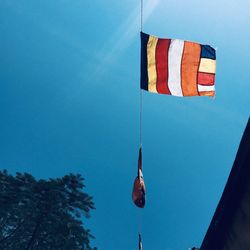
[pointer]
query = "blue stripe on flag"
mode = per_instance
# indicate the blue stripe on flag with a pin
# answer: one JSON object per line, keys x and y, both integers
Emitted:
{"x": 144, "y": 61}
{"x": 208, "y": 52}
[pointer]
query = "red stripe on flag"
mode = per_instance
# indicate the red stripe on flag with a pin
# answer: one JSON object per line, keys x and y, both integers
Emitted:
{"x": 205, "y": 78}
{"x": 162, "y": 65}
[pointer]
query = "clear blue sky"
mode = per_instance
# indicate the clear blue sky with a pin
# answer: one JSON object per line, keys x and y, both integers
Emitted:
{"x": 69, "y": 102}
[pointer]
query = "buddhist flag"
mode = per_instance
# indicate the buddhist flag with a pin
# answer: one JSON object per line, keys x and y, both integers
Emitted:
{"x": 176, "y": 67}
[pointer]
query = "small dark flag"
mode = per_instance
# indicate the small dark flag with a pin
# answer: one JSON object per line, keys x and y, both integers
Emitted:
{"x": 139, "y": 189}
{"x": 140, "y": 242}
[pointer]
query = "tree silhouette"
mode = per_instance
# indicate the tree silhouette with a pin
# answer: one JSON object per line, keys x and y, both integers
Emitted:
{"x": 43, "y": 214}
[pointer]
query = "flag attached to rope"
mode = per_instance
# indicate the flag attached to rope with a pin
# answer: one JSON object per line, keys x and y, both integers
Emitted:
{"x": 139, "y": 190}
{"x": 140, "y": 242}
{"x": 176, "y": 67}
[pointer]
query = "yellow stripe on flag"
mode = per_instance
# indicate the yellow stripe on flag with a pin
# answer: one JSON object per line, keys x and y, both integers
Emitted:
{"x": 152, "y": 76}
{"x": 207, "y": 65}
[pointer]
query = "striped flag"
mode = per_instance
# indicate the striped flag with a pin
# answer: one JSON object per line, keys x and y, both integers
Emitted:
{"x": 176, "y": 67}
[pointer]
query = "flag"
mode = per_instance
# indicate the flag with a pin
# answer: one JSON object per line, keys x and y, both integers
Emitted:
{"x": 140, "y": 242}
{"x": 139, "y": 189}
{"x": 177, "y": 67}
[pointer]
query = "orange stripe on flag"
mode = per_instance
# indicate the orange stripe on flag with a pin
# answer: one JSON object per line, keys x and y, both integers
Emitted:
{"x": 189, "y": 68}
{"x": 207, "y": 93}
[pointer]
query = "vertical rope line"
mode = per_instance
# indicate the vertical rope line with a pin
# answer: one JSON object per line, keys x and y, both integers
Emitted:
{"x": 140, "y": 86}
{"x": 141, "y": 14}
{"x": 140, "y": 117}
{"x": 139, "y": 216}
{"x": 139, "y": 220}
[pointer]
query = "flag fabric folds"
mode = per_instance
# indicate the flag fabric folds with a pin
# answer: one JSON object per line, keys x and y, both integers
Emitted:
{"x": 176, "y": 67}
{"x": 139, "y": 189}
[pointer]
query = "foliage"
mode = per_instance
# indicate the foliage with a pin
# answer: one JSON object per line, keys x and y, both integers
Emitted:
{"x": 43, "y": 214}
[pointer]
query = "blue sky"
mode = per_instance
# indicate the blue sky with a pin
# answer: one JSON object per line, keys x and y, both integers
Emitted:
{"x": 69, "y": 102}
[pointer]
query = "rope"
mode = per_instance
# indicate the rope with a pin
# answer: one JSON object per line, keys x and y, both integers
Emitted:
{"x": 141, "y": 14}
{"x": 139, "y": 217}
{"x": 140, "y": 86}
{"x": 140, "y": 117}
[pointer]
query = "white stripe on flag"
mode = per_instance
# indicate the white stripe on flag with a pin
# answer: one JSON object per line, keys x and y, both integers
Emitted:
{"x": 174, "y": 66}
{"x": 202, "y": 88}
